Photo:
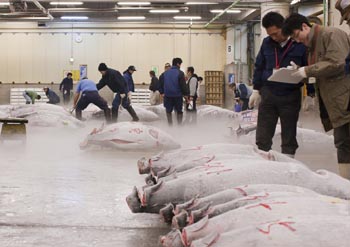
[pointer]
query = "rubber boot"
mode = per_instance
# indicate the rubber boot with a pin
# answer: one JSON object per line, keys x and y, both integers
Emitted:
{"x": 344, "y": 170}
{"x": 132, "y": 113}
{"x": 78, "y": 114}
{"x": 290, "y": 155}
{"x": 179, "y": 117}
{"x": 114, "y": 115}
{"x": 169, "y": 118}
{"x": 107, "y": 113}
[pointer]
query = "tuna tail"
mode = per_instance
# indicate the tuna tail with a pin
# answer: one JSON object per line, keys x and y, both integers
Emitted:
{"x": 184, "y": 206}
{"x": 143, "y": 166}
{"x": 208, "y": 241}
{"x": 197, "y": 215}
{"x": 180, "y": 221}
{"x": 193, "y": 228}
{"x": 167, "y": 212}
{"x": 133, "y": 201}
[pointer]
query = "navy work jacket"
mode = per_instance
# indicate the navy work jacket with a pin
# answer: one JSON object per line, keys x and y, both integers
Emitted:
{"x": 272, "y": 55}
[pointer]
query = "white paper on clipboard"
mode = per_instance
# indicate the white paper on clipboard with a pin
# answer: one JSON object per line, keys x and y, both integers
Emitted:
{"x": 285, "y": 75}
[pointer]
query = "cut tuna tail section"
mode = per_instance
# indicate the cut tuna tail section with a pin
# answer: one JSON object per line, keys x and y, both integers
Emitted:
{"x": 179, "y": 221}
{"x": 133, "y": 201}
{"x": 167, "y": 213}
{"x": 143, "y": 166}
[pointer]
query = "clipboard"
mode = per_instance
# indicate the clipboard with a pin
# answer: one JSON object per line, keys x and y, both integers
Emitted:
{"x": 285, "y": 75}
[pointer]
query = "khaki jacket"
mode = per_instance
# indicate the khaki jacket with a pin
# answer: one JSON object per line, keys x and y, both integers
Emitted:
{"x": 328, "y": 49}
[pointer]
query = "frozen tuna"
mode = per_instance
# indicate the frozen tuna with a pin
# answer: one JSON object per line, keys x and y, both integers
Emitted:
{"x": 130, "y": 136}
{"x": 265, "y": 211}
{"x": 214, "y": 177}
{"x": 45, "y": 115}
{"x": 306, "y": 231}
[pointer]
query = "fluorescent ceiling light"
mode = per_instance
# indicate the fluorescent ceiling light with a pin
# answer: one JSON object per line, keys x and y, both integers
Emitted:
{"x": 294, "y": 2}
{"x": 74, "y": 17}
{"x": 187, "y": 17}
{"x": 230, "y": 11}
{"x": 160, "y": 11}
{"x": 4, "y": 3}
{"x": 199, "y": 3}
{"x": 131, "y": 17}
{"x": 134, "y": 3}
{"x": 66, "y": 3}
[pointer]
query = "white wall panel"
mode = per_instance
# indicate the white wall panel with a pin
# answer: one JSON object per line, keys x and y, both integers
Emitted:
{"x": 43, "y": 56}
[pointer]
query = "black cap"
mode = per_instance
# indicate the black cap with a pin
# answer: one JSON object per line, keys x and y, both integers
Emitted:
{"x": 102, "y": 67}
{"x": 132, "y": 67}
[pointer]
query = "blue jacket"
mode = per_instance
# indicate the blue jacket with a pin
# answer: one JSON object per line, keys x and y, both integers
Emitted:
{"x": 114, "y": 80}
{"x": 129, "y": 81}
{"x": 266, "y": 62}
{"x": 173, "y": 83}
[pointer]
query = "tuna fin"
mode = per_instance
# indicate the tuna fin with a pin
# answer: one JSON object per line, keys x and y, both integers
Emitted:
{"x": 147, "y": 193}
{"x": 199, "y": 225}
{"x": 164, "y": 172}
{"x": 197, "y": 215}
{"x": 187, "y": 231}
{"x": 173, "y": 238}
{"x": 184, "y": 206}
{"x": 156, "y": 187}
{"x": 208, "y": 241}
{"x": 180, "y": 221}
{"x": 167, "y": 212}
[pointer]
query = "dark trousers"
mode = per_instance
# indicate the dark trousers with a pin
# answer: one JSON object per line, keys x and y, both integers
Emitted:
{"x": 126, "y": 104}
{"x": 173, "y": 103}
{"x": 342, "y": 143}
{"x": 271, "y": 108}
{"x": 245, "y": 104}
{"x": 92, "y": 97}
{"x": 66, "y": 96}
{"x": 118, "y": 100}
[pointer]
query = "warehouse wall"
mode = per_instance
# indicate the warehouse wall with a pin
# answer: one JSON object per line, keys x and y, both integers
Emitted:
{"x": 33, "y": 55}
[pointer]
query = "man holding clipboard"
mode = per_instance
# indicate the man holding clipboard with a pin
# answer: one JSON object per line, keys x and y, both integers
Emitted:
{"x": 278, "y": 99}
{"x": 329, "y": 49}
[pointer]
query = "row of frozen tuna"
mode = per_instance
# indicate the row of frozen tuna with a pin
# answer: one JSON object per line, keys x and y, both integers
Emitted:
{"x": 47, "y": 115}
{"x": 234, "y": 195}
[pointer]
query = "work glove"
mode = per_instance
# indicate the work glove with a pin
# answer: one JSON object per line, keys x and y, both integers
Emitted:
{"x": 292, "y": 66}
{"x": 254, "y": 99}
{"x": 300, "y": 72}
{"x": 122, "y": 95}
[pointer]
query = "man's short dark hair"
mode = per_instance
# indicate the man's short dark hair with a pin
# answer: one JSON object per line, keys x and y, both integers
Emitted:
{"x": 177, "y": 61}
{"x": 152, "y": 73}
{"x": 190, "y": 69}
{"x": 69, "y": 74}
{"x": 272, "y": 19}
{"x": 294, "y": 22}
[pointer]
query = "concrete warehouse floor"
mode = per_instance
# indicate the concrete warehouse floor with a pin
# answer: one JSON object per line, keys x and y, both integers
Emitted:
{"x": 54, "y": 194}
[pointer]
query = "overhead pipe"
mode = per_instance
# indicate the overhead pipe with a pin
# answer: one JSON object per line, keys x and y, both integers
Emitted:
{"x": 43, "y": 9}
{"x": 220, "y": 14}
